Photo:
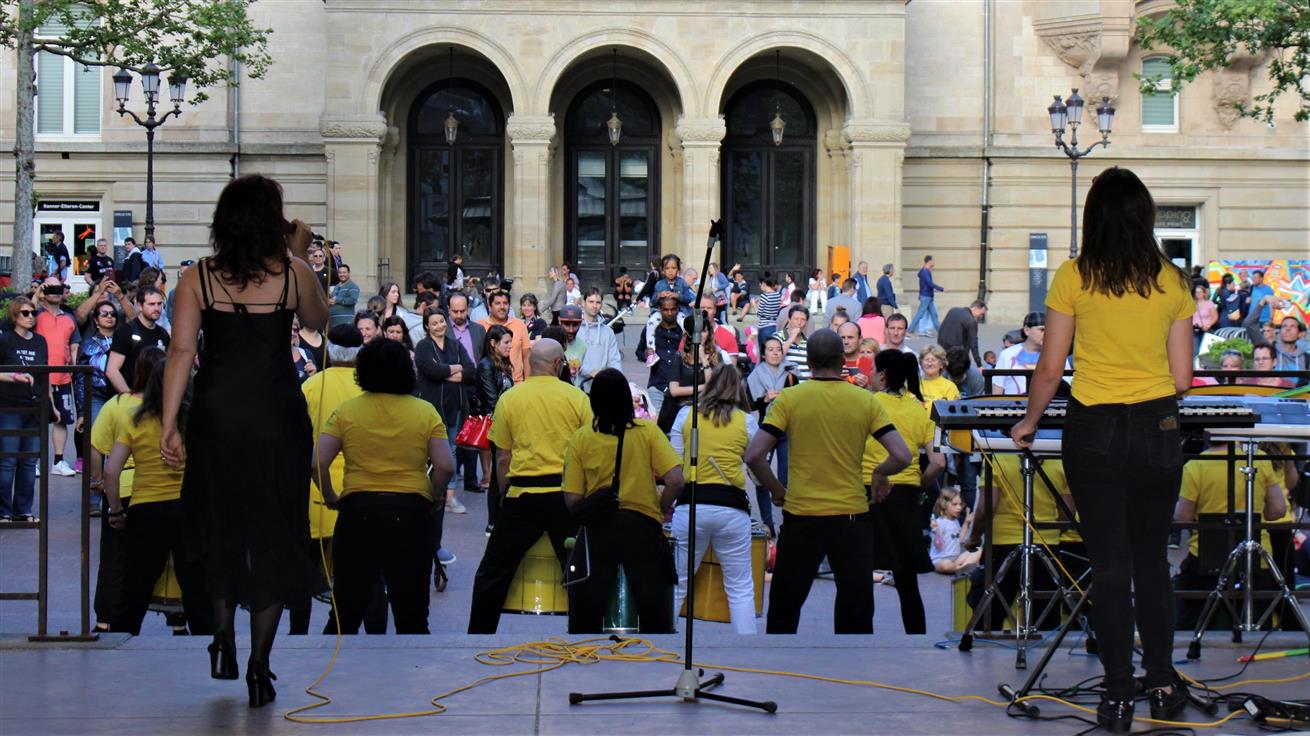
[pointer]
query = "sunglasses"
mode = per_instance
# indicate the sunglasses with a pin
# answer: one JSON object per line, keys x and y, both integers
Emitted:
{"x": 107, "y": 315}
{"x": 27, "y": 312}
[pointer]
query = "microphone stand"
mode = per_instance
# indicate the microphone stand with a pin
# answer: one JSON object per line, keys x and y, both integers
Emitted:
{"x": 689, "y": 686}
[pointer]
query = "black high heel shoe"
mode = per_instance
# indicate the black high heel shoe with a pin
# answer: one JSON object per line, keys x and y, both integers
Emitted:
{"x": 259, "y": 683}
{"x": 1115, "y": 715}
{"x": 223, "y": 660}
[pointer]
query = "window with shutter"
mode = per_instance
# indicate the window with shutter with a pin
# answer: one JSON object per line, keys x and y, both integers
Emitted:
{"x": 1159, "y": 110}
{"x": 68, "y": 94}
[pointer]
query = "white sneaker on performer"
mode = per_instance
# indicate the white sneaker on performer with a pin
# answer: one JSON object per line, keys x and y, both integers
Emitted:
{"x": 454, "y": 506}
{"x": 62, "y": 468}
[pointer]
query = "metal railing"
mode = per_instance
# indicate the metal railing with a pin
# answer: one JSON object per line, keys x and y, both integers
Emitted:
{"x": 40, "y": 388}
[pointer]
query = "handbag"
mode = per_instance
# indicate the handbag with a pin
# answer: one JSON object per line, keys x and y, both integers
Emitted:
{"x": 596, "y": 508}
{"x": 473, "y": 433}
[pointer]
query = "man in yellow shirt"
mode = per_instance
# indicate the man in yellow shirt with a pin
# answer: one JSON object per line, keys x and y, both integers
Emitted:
{"x": 533, "y": 424}
{"x": 826, "y": 421}
{"x": 498, "y": 314}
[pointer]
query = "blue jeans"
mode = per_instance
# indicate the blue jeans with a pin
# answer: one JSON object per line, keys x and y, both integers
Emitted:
{"x": 17, "y": 475}
{"x": 452, "y": 429}
{"x": 927, "y": 308}
{"x": 763, "y": 500}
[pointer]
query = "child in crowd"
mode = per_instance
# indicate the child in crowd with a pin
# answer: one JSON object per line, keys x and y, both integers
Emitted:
{"x": 989, "y": 359}
{"x": 947, "y": 531}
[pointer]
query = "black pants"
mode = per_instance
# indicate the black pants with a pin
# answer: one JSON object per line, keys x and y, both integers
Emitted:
{"x": 521, "y": 523}
{"x": 387, "y": 536}
{"x": 111, "y": 571}
{"x": 1124, "y": 463}
{"x": 803, "y": 541}
{"x": 153, "y": 531}
{"x": 493, "y": 493}
{"x": 637, "y": 542}
{"x": 899, "y": 546}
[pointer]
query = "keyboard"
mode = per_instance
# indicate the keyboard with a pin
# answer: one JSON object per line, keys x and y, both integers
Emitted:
{"x": 1194, "y": 412}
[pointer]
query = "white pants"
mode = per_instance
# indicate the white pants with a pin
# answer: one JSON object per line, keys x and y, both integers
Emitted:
{"x": 729, "y": 530}
{"x": 818, "y": 301}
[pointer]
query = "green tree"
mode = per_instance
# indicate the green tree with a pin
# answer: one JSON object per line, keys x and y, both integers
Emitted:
{"x": 1207, "y": 35}
{"x": 198, "y": 39}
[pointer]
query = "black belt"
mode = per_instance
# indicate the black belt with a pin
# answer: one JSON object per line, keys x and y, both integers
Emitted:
{"x": 383, "y": 501}
{"x": 536, "y": 481}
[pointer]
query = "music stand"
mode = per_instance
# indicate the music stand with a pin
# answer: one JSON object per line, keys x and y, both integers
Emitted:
{"x": 1248, "y": 552}
{"x": 689, "y": 686}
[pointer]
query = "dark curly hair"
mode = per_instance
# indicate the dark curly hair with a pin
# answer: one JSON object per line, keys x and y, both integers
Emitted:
{"x": 249, "y": 229}
{"x": 384, "y": 367}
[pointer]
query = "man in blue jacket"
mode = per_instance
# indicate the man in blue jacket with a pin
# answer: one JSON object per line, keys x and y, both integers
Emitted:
{"x": 887, "y": 292}
{"x": 927, "y": 309}
{"x": 862, "y": 288}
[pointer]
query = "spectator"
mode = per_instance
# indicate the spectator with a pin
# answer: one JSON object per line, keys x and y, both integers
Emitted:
{"x": 739, "y": 295}
{"x": 927, "y": 308}
{"x": 887, "y": 291}
{"x": 531, "y": 316}
{"x": 573, "y": 294}
{"x": 498, "y": 314}
{"x": 133, "y": 262}
{"x": 391, "y": 307}
{"x": 367, "y": 324}
{"x": 150, "y": 255}
{"x": 393, "y": 328}
{"x": 966, "y": 377}
{"x": 767, "y": 307}
{"x": 1232, "y": 302}
{"x": 895, "y": 334}
{"x": 862, "y": 288}
{"x": 1291, "y": 354}
{"x": 495, "y": 377}
{"x": 647, "y": 288}
{"x": 389, "y": 439}
{"x": 770, "y": 376}
{"x": 658, "y": 346}
{"x": 1260, "y": 290}
{"x": 455, "y": 273}
{"x": 946, "y": 553}
{"x": 934, "y": 385}
{"x": 1023, "y": 356}
{"x": 19, "y": 346}
{"x": 691, "y": 371}
{"x": 717, "y": 285}
{"x": 424, "y": 283}
{"x": 960, "y": 329}
{"x": 817, "y": 292}
{"x": 300, "y": 357}
{"x": 622, "y": 289}
{"x": 850, "y": 344}
{"x": 557, "y": 297}
{"x": 671, "y": 282}
{"x": 59, "y": 330}
{"x": 838, "y": 318}
{"x": 93, "y": 350}
{"x": 869, "y": 348}
{"x": 989, "y": 359}
{"x": 100, "y": 263}
{"x": 789, "y": 290}
{"x": 343, "y": 298}
{"x": 58, "y": 260}
{"x": 784, "y": 315}
{"x": 444, "y": 367}
{"x": 795, "y": 340}
{"x": 335, "y": 254}
{"x": 1263, "y": 358}
{"x": 872, "y": 324}
{"x": 324, "y": 275}
{"x": 724, "y": 336}
{"x": 602, "y": 349}
{"x": 1206, "y": 317}
{"x": 847, "y": 299}
{"x": 131, "y": 338}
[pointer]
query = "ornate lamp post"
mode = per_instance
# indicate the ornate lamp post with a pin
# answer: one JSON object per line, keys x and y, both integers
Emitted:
{"x": 1070, "y": 112}
{"x": 150, "y": 85}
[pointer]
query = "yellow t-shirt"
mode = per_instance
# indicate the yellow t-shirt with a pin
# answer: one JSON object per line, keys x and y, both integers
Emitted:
{"x": 1205, "y": 483}
{"x": 915, "y": 426}
{"x": 534, "y": 421}
{"x": 385, "y": 440}
{"x": 589, "y": 464}
{"x": 1007, "y": 524}
{"x": 725, "y": 444}
{"x": 324, "y": 392}
{"x": 940, "y": 387}
{"x": 1119, "y": 344}
{"x": 154, "y": 481}
{"x": 113, "y": 416}
{"x": 826, "y": 422}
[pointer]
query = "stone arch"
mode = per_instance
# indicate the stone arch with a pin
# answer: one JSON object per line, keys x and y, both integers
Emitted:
{"x": 379, "y": 72}
{"x": 654, "y": 52}
{"x": 859, "y": 99}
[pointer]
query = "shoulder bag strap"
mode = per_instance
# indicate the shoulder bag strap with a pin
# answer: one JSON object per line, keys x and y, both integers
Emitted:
{"x": 618, "y": 464}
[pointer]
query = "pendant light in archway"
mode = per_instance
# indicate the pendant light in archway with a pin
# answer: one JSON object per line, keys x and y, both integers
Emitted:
{"x": 452, "y": 123}
{"x": 777, "y": 125}
{"x": 614, "y": 126}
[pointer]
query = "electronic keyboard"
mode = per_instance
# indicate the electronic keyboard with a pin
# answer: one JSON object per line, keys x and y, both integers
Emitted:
{"x": 1194, "y": 412}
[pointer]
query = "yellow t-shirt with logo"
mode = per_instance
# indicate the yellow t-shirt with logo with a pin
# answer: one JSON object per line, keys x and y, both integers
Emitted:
{"x": 826, "y": 422}
{"x": 1008, "y": 521}
{"x": 915, "y": 426}
{"x": 154, "y": 481}
{"x": 1119, "y": 344}
{"x": 324, "y": 392}
{"x": 647, "y": 454}
{"x": 1205, "y": 483}
{"x": 114, "y": 415}
{"x": 534, "y": 421}
{"x": 936, "y": 388}
{"x": 725, "y": 444}
{"x": 385, "y": 440}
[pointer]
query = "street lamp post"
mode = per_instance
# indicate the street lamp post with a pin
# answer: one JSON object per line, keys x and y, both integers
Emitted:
{"x": 150, "y": 85}
{"x": 1071, "y": 113}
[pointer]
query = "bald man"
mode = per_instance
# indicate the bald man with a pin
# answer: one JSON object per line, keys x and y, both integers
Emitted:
{"x": 534, "y": 421}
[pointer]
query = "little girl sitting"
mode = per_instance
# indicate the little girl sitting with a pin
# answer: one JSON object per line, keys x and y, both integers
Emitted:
{"x": 947, "y": 531}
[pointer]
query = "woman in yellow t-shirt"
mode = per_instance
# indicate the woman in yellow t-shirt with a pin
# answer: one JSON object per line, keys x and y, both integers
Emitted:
{"x": 634, "y": 534}
{"x": 156, "y": 528}
{"x": 932, "y": 384}
{"x": 385, "y": 526}
{"x": 898, "y": 542}
{"x": 1127, "y": 312}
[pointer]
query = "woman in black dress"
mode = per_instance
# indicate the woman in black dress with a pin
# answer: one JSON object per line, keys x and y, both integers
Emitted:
{"x": 248, "y": 440}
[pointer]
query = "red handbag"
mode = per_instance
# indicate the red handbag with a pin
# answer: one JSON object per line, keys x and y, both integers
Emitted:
{"x": 473, "y": 433}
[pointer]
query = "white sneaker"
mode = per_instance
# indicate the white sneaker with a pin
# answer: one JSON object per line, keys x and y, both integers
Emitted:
{"x": 62, "y": 468}
{"x": 454, "y": 506}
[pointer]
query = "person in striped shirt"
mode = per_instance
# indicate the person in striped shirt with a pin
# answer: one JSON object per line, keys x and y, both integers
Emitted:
{"x": 767, "y": 306}
{"x": 794, "y": 341}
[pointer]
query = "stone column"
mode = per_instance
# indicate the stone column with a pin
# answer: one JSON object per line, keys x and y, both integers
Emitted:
{"x": 876, "y": 157}
{"x": 700, "y": 187}
{"x": 528, "y": 254}
{"x": 351, "y": 148}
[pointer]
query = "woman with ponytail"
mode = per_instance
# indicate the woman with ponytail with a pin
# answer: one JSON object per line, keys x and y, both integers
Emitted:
{"x": 898, "y": 541}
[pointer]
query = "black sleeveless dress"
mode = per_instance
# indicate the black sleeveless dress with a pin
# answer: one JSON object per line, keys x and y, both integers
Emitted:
{"x": 249, "y": 445}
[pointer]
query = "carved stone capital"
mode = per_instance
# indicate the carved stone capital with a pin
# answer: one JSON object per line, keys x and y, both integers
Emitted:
{"x": 1099, "y": 85}
{"x": 702, "y": 130}
{"x": 1079, "y": 50}
{"x": 370, "y": 127}
{"x": 530, "y": 128}
{"x": 834, "y": 142}
{"x": 875, "y": 132}
{"x": 1230, "y": 89}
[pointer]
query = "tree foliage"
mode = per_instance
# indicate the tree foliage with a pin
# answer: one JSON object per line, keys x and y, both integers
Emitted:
{"x": 1209, "y": 35}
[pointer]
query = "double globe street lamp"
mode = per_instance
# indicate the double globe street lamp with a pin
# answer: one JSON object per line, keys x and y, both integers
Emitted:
{"x": 150, "y": 85}
{"x": 1070, "y": 112}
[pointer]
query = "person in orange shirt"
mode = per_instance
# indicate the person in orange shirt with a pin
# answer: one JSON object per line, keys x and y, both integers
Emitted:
{"x": 59, "y": 328}
{"x": 498, "y": 314}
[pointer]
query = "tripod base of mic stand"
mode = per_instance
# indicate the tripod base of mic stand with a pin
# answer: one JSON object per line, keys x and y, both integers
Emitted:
{"x": 689, "y": 688}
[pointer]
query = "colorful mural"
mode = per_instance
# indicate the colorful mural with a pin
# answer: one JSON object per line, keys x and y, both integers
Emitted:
{"x": 1290, "y": 279}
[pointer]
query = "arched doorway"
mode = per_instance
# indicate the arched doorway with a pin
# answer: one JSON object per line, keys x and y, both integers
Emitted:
{"x": 768, "y": 190}
{"x": 612, "y": 208}
{"x": 457, "y": 190}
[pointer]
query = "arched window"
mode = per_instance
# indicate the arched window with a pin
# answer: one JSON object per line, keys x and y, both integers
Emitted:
{"x": 456, "y": 191}
{"x": 612, "y": 209}
{"x": 768, "y": 195}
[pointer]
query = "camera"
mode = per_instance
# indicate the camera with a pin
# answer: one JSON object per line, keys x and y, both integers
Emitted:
{"x": 53, "y": 289}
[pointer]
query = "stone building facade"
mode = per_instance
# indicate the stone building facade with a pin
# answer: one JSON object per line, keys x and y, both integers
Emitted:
{"x": 901, "y": 120}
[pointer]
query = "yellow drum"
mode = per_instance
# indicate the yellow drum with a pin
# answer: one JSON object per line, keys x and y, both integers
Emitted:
{"x": 538, "y": 585}
{"x": 167, "y": 595}
{"x": 711, "y": 600}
